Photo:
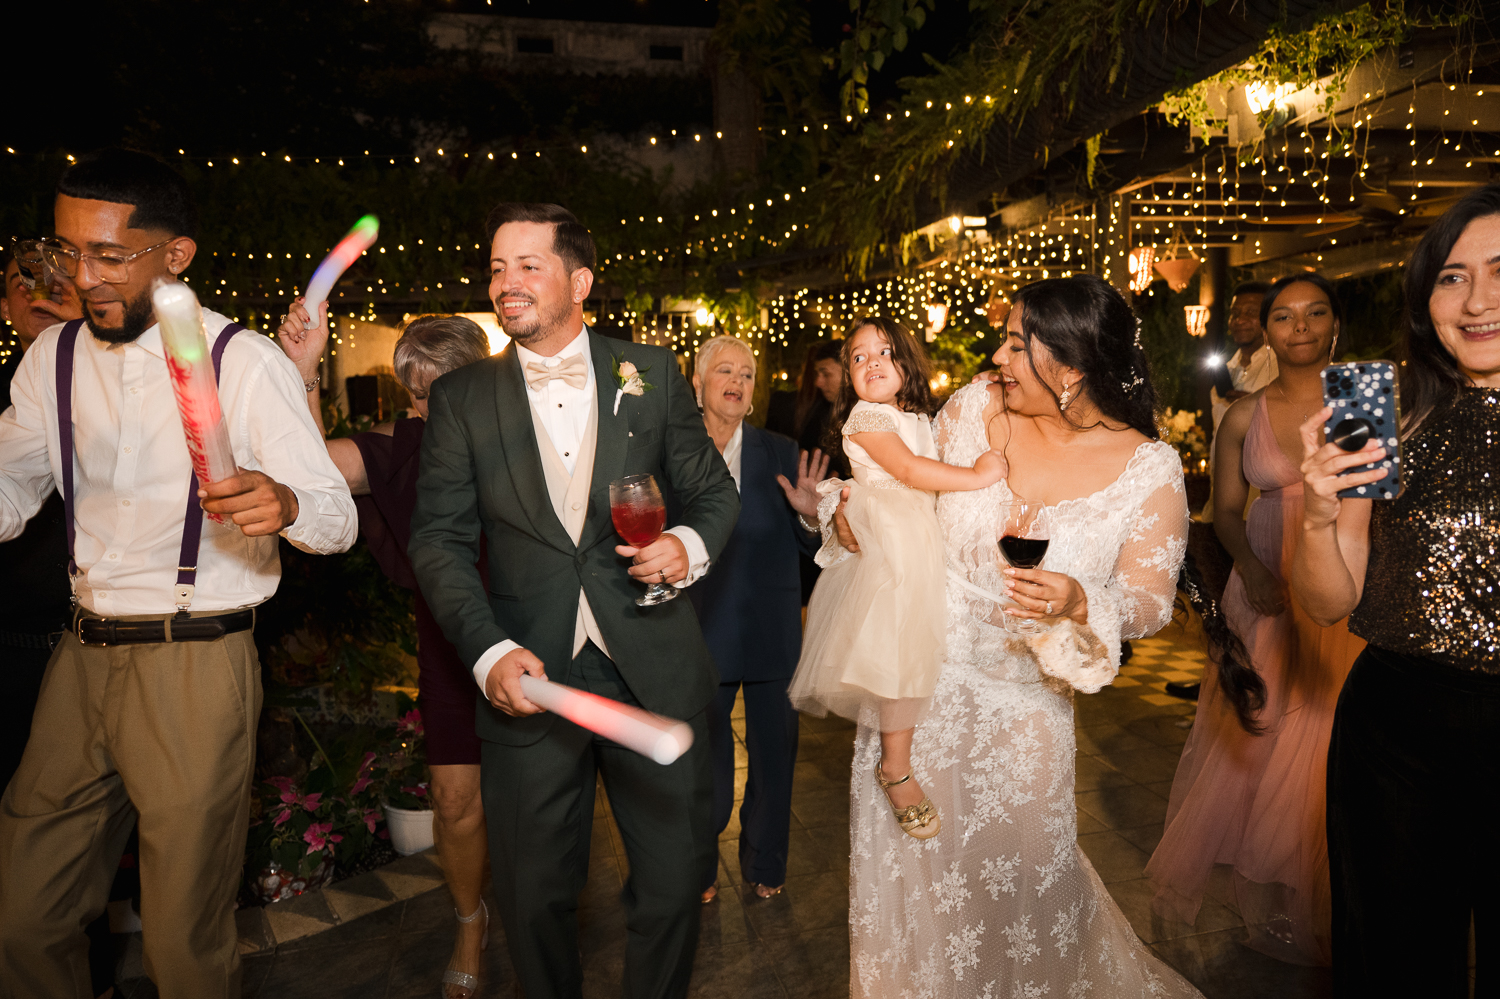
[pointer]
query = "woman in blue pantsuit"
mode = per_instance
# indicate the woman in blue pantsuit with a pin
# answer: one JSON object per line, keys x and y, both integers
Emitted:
{"x": 750, "y": 607}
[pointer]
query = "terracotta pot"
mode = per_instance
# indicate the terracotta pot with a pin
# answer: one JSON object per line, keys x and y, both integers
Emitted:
{"x": 275, "y": 883}
{"x": 1178, "y": 272}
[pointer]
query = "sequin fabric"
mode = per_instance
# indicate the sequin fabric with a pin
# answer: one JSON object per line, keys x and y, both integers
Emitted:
{"x": 1432, "y": 586}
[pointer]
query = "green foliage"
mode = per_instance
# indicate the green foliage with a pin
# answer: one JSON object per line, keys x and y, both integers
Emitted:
{"x": 1174, "y": 355}
{"x": 882, "y": 27}
{"x": 336, "y": 619}
{"x": 1372, "y": 316}
{"x": 1324, "y": 53}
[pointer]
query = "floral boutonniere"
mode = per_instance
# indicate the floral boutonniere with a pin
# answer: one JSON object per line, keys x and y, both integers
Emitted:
{"x": 629, "y": 380}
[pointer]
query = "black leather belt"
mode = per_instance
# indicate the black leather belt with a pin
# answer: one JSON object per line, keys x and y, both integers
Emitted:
{"x": 178, "y": 628}
{"x": 29, "y": 640}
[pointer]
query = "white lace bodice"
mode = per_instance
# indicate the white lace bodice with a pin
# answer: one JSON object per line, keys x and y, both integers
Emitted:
{"x": 914, "y": 429}
{"x": 1124, "y": 544}
{"x": 1002, "y": 904}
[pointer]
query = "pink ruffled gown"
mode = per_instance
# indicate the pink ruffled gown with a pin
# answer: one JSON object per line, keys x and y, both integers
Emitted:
{"x": 1257, "y": 802}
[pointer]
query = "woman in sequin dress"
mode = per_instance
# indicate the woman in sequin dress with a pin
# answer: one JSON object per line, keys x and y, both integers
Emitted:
{"x": 1413, "y": 776}
{"x": 1250, "y": 792}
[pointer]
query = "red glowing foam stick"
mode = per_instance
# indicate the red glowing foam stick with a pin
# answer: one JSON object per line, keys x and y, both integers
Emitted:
{"x": 193, "y": 382}
{"x": 654, "y": 737}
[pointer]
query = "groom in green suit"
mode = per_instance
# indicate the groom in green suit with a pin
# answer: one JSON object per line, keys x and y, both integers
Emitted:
{"x": 522, "y": 448}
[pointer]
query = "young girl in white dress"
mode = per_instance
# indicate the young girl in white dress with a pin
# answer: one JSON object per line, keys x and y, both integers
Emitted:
{"x": 876, "y": 621}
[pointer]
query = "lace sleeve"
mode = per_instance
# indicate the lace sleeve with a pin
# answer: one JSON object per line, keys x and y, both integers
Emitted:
{"x": 866, "y": 421}
{"x": 1134, "y": 602}
{"x": 831, "y": 553}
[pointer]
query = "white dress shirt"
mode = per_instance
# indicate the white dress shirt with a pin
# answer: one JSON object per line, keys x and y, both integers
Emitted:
{"x": 732, "y": 452}
{"x": 131, "y": 469}
{"x": 564, "y": 412}
{"x": 1246, "y": 376}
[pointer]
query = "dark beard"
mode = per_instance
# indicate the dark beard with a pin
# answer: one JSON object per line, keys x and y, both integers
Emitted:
{"x": 137, "y": 320}
{"x": 545, "y": 324}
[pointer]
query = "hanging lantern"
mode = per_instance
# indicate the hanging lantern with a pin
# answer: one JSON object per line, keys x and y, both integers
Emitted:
{"x": 1197, "y": 319}
{"x": 1176, "y": 268}
{"x": 1140, "y": 268}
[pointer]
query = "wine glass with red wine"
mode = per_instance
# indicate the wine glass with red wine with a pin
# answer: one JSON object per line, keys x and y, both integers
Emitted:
{"x": 636, "y": 507}
{"x": 1024, "y": 535}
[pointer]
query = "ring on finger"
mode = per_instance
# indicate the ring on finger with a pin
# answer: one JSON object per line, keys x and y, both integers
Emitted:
{"x": 1049, "y": 608}
{"x": 663, "y": 574}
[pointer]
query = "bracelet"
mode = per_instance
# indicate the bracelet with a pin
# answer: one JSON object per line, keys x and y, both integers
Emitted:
{"x": 309, "y": 386}
{"x": 810, "y": 528}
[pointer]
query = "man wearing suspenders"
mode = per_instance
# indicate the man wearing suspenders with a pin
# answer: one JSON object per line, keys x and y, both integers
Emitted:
{"x": 149, "y": 705}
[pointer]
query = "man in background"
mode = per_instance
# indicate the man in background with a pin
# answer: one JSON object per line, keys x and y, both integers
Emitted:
{"x": 1252, "y": 366}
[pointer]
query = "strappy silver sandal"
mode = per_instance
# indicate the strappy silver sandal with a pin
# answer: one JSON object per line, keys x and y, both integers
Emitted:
{"x": 463, "y": 979}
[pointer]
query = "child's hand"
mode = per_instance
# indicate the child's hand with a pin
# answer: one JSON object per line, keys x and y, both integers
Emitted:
{"x": 991, "y": 467}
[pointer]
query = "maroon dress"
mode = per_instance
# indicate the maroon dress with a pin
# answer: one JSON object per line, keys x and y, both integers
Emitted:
{"x": 446, "y": 690}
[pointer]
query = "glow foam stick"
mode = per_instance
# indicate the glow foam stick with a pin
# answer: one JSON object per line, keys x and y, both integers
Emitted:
{"x": 193, "y": 382}
{"x": 654, "y": 737}
{"x": 357, "y": 241}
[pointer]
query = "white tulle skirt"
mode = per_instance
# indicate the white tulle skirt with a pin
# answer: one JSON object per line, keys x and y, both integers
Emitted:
{"x": 876, "y": 622}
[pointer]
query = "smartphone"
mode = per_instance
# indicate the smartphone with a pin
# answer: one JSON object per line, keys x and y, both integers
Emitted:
{"x": 1365, "y": 407}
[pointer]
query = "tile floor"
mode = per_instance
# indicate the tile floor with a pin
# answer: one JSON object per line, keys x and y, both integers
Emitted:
{"x": 796, "y": 945}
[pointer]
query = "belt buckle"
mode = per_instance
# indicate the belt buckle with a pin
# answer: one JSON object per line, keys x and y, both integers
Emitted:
{"x": 78, "y": 632}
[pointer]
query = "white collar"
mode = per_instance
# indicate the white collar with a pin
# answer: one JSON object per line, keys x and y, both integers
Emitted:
{"x": 577, "y": 345}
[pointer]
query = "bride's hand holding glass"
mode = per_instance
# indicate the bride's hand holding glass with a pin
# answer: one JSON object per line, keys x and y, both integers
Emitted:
{"x": 1042, "y": 595}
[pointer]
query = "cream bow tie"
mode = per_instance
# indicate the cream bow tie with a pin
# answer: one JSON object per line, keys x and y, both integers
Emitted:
{"x": 573, "y": 370}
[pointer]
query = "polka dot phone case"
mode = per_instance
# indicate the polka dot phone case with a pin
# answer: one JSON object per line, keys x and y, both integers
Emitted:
{"x": 1365, "y": 407}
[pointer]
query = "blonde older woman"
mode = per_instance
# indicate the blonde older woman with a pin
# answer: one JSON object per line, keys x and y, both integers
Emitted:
{"x": 380, "y": 467}
{"x": 750, "y": 607}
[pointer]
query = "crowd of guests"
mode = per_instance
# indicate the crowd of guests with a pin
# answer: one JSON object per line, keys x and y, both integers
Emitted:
{"x": 1339, "y": 732}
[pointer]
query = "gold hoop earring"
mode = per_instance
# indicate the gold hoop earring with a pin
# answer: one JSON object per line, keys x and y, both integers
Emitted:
{"x": 750, "y": 410}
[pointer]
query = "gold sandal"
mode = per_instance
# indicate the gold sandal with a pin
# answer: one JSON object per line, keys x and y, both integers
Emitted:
{"x": 919, "y": 821}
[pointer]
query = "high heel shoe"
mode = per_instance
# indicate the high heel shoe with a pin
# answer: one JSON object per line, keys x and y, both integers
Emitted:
{"x": 463, "y": 979}
{"x": 919, "y": 821}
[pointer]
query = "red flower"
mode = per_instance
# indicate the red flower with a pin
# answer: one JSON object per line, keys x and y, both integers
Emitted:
{"x": 320, "y": 835}
{"x": 371, "y": 817}
{"x": 286, "y": 813}
{"x": 410, "y": 723}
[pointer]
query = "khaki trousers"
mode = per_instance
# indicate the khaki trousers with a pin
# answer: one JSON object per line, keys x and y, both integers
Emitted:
{"x": 164, "y": 733}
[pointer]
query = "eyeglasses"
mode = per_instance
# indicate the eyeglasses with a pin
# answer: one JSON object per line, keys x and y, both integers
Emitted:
{"x": 106, "y": 266}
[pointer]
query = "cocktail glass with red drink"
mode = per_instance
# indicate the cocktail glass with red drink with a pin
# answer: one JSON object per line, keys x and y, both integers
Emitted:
{"x": 636, "y": 507}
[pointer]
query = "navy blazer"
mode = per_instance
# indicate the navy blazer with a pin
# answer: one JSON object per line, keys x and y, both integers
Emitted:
{"x": 750, "y": 603}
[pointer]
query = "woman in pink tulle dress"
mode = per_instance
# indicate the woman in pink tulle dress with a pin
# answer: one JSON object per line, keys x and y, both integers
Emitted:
{"x": 1255, "y": 800}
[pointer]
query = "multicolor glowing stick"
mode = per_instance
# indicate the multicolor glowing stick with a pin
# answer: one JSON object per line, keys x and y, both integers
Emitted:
{"x": 654, "y": 737}
{"x": 358, "y": 240}
{"x": 192, "y": 371}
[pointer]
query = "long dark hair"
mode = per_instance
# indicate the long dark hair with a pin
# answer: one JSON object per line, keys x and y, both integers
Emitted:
{"x": 1429, "y": 374}
{"x": 1239, "y": 682}
{"x": 915, "y": 394}
{"x": 808, "y": 395}
{"x": 1086, "y": 324}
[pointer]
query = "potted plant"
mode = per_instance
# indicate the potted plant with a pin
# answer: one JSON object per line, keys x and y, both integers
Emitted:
{"x": 403, "y": 767}
{"x": 296, "y": 829}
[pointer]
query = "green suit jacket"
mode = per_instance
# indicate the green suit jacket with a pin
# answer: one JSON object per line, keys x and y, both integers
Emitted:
{"x": 481, "y": 471}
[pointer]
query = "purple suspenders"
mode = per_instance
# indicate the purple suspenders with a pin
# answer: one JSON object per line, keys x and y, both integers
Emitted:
{"x": 192, "y": 527}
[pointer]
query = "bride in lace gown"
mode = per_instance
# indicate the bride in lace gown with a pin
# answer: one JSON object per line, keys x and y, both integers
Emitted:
{"x": 1002, "y": 904}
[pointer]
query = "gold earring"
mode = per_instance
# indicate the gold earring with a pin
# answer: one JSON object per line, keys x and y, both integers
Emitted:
{"x": 1062, "y": 400}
